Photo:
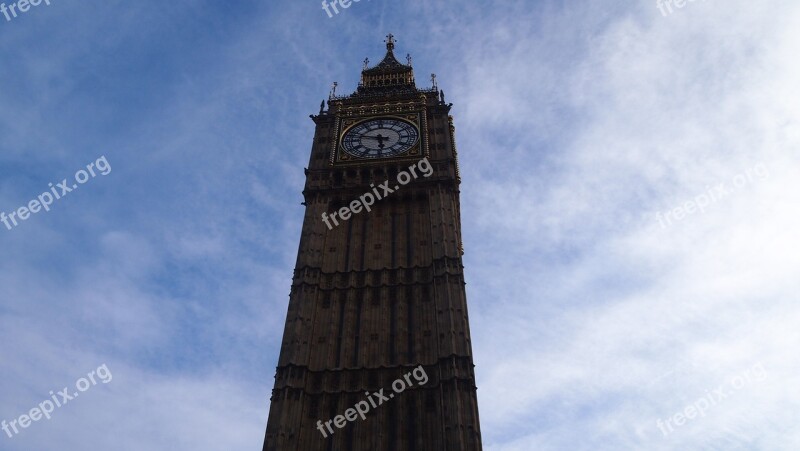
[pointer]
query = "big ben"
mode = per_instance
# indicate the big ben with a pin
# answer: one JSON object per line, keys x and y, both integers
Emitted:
{"x": 376, "y": 352}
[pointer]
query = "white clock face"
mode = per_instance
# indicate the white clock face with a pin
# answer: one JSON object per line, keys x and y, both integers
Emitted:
{"x": 380, "y": 138}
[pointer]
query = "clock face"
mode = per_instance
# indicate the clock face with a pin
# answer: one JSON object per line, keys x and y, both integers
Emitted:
{"x": 380, "y": 138}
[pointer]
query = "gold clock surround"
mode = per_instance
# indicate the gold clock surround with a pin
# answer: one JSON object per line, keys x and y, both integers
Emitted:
{"x": 348, "y": 116}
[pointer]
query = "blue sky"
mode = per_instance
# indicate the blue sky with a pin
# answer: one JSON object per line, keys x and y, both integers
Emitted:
{"x": 578, "y": 124}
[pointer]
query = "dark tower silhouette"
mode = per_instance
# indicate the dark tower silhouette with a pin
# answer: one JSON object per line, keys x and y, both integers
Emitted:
{"x": 380, "y": 293}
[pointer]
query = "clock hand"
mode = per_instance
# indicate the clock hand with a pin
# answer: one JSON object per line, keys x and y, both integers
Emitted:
{"x": 379, "y": 137}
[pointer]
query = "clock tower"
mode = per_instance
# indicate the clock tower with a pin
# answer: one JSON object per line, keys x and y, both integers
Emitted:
{"x": 376, "y": 351}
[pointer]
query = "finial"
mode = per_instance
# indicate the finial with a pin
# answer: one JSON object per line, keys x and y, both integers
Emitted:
{"x": 333, "y": 90}
{"x": 322, "y": 106}
{"x": 366, "y": 63}
{"x": 408, "y": 58}
{"x": 433, "y": 80}
{"x": 390, "y": 42}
